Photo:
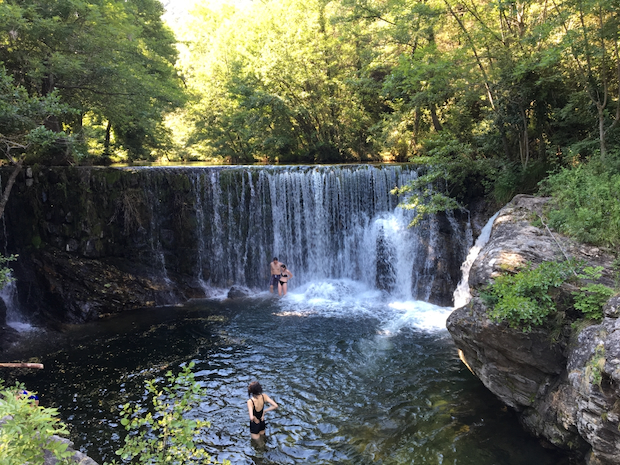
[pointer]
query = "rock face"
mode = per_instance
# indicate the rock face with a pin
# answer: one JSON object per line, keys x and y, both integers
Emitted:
{"x": 564, "y": 383}
{"x": 84, "y": 239}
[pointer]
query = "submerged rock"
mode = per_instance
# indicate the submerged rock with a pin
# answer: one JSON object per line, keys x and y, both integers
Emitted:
{"x": 564, "y": 383}
{"x": 8, "y": 336}
{"x": 239, "y": 292}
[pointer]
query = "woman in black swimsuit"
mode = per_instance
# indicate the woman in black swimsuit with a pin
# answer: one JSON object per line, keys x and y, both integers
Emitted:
{"x": 285, "y": 275}
{"x": 257, "y": 410}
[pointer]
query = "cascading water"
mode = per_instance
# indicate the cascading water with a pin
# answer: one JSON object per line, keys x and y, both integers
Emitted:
{"x": 325, "y": 223}
{"x": 14, "y": 316}
{"x": 8, "y": 294}
{"x": 462, "y": 295}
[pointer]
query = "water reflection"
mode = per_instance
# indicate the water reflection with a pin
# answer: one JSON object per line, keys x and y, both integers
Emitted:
{"x": 356, "y": 384}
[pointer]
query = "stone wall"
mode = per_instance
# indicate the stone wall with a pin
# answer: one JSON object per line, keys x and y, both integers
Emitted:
{"x": 562, "y": 380}
{"x": 83, "y": 239}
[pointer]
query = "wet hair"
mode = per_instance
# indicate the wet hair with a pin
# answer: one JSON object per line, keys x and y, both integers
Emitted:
{"x": 282, "y": 265}
{"x": 255, "y": 388}
{"x": 275, "y": 259}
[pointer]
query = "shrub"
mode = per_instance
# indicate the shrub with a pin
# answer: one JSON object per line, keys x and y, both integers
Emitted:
{"x": 28, "y": 430}
{"x": 164, "y": 433}
{"x": 528, "y": 298}
{"x": 585, "y": 203}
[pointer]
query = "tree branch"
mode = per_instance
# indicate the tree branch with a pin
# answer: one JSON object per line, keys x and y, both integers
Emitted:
{"x": 98, "y": 92}
{"x": 9, "y": 186}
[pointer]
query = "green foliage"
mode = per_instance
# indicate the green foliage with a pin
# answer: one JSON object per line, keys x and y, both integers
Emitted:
{"x": 452, "y": 176}
{"x": 524, "y": 299}
{"x": 594, "y": 369}
{"x": 591, "y": 298}
{"x": 24, "y": 437}
{"x": 163, "y": 433}
{"x": 586, "y": 203}
{"x": 278, "y": 81}
{"x": 420, "y": 196}
{"x": 22, "y": 119}
{"x": 528, "y": 298}
{"x": 513, "y": 179}
{"x": 111, "y": 61}
{"x": 5, "y": 271}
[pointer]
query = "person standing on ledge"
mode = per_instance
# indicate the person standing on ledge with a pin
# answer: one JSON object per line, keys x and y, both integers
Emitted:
{"x": 285, "y": 275}
{"x": 275, "y": 274}
{"x": 257, "y": 410}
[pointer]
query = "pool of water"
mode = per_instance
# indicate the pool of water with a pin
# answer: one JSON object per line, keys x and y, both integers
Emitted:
{"x": 359, "y": 380}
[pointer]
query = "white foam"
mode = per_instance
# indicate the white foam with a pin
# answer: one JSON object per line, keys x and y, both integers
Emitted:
{"x": 333, "y": 298}
{"x": 350, "y": 299}
{"x": 21, "y": 327}
{"x": 419, "y": 315}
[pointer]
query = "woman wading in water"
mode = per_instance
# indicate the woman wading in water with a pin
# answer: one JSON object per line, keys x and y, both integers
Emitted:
{"x": 257, "y": 410}
{"x": 285, "y": 275}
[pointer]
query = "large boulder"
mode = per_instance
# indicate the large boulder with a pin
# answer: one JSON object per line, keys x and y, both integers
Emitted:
{"x": 8, "y": 336}
{"x": 564, "y": 383}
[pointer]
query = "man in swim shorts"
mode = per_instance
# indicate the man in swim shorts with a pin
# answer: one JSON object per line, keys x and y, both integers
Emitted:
{"x": 275, "y": 274}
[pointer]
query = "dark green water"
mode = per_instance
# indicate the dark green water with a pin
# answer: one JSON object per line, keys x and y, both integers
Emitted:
{"x": 350, "y": 390}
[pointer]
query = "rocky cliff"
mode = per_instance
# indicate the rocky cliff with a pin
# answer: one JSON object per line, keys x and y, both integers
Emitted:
{"x": 564, "y": 378}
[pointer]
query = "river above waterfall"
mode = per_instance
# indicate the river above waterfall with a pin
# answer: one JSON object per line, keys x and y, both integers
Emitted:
{"x": 359, "y": 379}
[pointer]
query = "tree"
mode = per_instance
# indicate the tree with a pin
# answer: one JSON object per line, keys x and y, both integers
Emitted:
{"x": 111, "y": 60}
{"x": 590, "y": 49}
{"x": 271, "y": 91}
{"x": 23, "y": 128}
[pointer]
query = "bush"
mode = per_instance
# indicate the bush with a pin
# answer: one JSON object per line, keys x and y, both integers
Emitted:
{"x": 585, "y": 203}
{"x": 529, "y": 297}
{"x": 28, "y": 430}
{"x": 163, "y": 433}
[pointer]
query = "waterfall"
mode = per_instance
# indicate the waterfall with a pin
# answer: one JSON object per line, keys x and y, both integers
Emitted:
{"x": 8, "y": 294}
{"x": 324, "y": 222}
{"x": 14, "y": 316}
{"x": 462, "y": 296}
{"x": 191, "y": 232}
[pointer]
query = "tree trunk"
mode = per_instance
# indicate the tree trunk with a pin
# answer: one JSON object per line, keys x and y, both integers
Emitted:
{"x": 38, "y": 366}
{"x": 51, "y": 122}
{"x": 436, "y": 123}
{"x": 106, "y": 142}
{"x": 525, "y": 145}
{"x": 9, "y": 186}
{"x": 601, "y": 130}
